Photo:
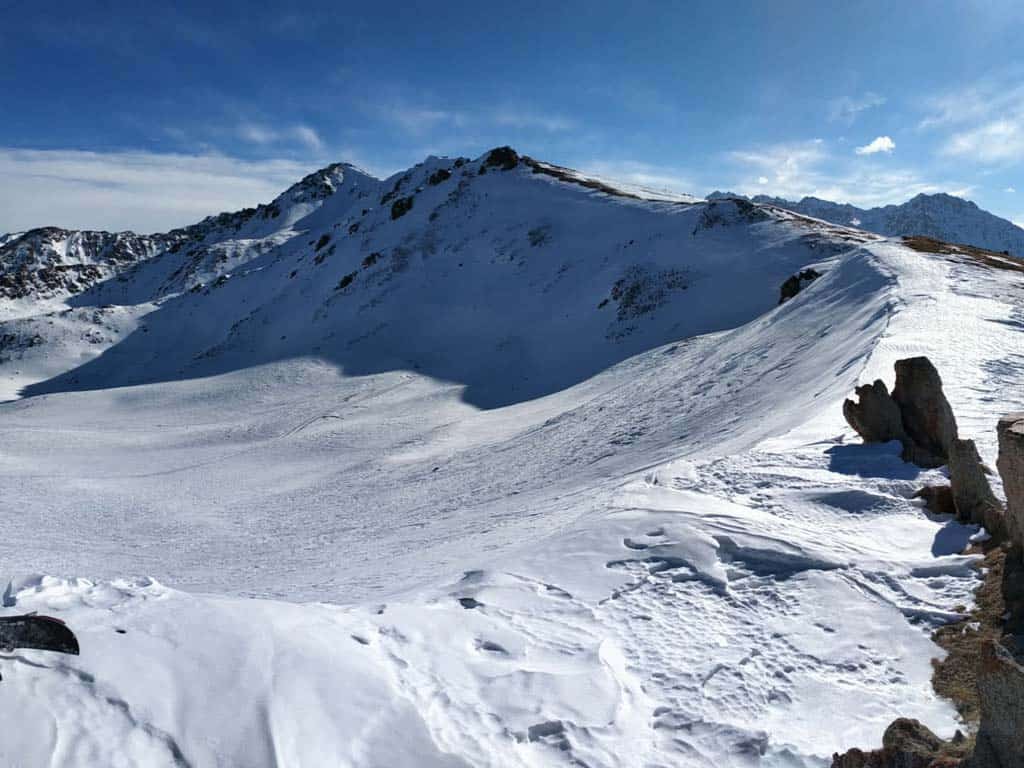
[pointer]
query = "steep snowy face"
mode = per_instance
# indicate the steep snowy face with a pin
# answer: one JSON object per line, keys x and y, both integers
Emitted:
{"x": 941, "y": 216}
{"x": 511, "y": 277}
{"x": 51, "y": 262}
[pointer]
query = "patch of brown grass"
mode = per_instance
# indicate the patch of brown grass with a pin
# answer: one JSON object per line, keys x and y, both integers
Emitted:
{"x": 992, "y": 259}
{"x": 1001, "y": 593}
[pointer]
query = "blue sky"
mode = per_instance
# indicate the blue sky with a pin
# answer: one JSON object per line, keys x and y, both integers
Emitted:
{"x": 130, "y": 115}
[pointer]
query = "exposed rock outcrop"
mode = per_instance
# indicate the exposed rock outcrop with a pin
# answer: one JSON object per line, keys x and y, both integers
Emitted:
{"x": 796, "y": 283}
{"x": 972, "y": 495}
{"x": 1011, "y": 469}
{"x": 877, "y": 417}
{"x": 1000, "y": 740}
{"x": 927, "y": 416}
{"x": 918, "y": 414}
{"x": 906, "y": 744}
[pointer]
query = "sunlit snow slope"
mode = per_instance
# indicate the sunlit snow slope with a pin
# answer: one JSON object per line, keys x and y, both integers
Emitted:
{"x": 550, "y": 480}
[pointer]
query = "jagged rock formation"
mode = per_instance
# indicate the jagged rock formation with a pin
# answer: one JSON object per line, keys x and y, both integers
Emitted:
{"x": 919, "y": 416}
{"x": 877, "y": 417}
{"x": 1011, "y": 469}
{"x": 927, "y": 416}
{"x": 906, "y": 744}
{"x": 972, "y": 494}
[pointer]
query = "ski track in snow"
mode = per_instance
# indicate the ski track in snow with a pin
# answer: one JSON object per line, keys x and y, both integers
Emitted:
{"x": 686, "y": 560}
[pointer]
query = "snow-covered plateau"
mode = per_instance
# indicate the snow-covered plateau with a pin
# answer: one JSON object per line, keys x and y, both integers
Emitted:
{"x": 485, "y": 464}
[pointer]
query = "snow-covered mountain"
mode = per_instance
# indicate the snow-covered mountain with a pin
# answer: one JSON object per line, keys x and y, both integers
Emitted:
{"x": 485, "y": 464}
{"x": 943, "y": 217}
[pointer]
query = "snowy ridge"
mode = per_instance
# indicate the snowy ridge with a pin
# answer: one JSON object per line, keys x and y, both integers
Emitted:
{"x": 941, "y": 216}
{"x": 673, "y": 552}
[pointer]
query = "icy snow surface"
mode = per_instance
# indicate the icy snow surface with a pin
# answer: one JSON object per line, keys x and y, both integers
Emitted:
{"x": 678, "y": 556}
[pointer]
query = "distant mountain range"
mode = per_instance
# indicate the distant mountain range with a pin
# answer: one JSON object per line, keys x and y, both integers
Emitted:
{"x": 941, "y": 216}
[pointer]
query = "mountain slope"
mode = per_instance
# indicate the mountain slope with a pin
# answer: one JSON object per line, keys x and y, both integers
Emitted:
{"x": 941, "y": 216}
{"x": 528, "y": 527}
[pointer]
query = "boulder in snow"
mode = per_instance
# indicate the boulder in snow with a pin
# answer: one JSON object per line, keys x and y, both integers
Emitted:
{"x": 927, "y": 416}
{"x": 876, "y": 418}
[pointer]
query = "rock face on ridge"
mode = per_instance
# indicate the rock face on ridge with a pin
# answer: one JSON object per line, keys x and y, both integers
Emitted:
{"x": 916, "y": 413}
{"x": 972, "y": 494}
{"x": 876, "y": 417}
{"x": 927, "y": 416}
{"x": 1011, "y": 469}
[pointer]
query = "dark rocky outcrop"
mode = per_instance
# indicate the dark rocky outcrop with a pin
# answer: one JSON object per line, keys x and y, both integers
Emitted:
{"x": 919, "y": 416}
{"x": 796, "y": 283}
{"x": 438, "y": 176}
{"x": 927, "y": 416}
{"x": 906, "y": 744}
{"x": 876, "y": 417}
{"x": 503, "y": 158}
{"x": 1011, "y": 469}
{"x": 400, "y": 207}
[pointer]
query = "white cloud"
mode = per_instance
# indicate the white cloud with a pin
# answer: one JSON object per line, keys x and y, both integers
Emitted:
{"x": 807, "y": 169}
{"x": 309, "y": 137}
{"x": 142, "y": 191}
{"x": 1011, "y": 190}
{"x": 783, "y": 165}
{"x": 879, "y": 144}
{"x": 847, "y": 108}
{"x": 263, "y": 135}
{"x": 985, "y": 120}
{"x": 994, "y": 142}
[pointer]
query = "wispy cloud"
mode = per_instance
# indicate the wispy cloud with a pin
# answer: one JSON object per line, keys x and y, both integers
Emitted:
{"x": 847, "y": 108}
{"x": 984, "y": 120}
{"x": 654, "y": 177}
{"x": 783, "y": 165}
{"x": 879, "y": 144}
{"x": 998, "y": 141}
{"x": 809, "y": 169}
{"x": 419, "y": 119}
{"x": 142, "y": 191}
{"x": 303, "y": 135}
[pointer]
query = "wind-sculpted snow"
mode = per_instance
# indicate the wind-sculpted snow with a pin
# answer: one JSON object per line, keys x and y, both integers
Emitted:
{"x": 675, "y": 554}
